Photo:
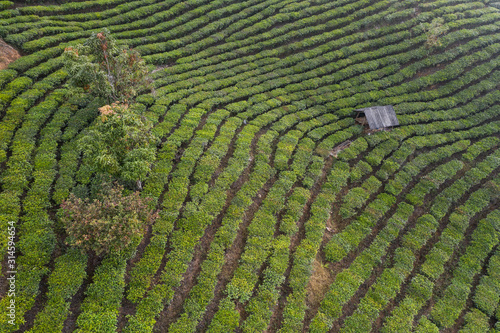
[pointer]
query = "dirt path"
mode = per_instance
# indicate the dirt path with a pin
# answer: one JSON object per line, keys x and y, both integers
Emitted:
{"x": 8, "y": 54}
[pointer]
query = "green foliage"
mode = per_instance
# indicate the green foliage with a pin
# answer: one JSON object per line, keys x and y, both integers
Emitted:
{"x": 102, "y": 68}
{"x": 5, "y": 4}
{"x": 64, "y": 281}
{"x": 434, "y": 31}
{"x": 109, "y": 223}
{"x": 289, "y": 73}
{"x": 487, "y": 293}
{"x": 484, "y": 238}
{"x": 100, "y": 308}
{"x": 426, "y": 326}
{"x": 119, "y": 143}
{"x": 353, "y": 200}
{"x": 361, "y": 169}
{"x": 475, "y": 322}
{"x": 226, "y": 319}
{"x": 480, "y": 147}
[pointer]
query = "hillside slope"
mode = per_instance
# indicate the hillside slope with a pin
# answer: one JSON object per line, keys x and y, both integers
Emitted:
{"x": 279, "y": 213}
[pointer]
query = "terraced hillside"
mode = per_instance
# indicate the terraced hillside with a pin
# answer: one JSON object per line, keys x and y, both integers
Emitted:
{"x": 278, "y": 212}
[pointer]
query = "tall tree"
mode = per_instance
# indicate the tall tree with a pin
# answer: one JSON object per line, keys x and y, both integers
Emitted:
{"x": 103, "y": 68}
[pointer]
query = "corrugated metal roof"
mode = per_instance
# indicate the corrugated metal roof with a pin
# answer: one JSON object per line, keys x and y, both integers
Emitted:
{"x": 380, "y": 116}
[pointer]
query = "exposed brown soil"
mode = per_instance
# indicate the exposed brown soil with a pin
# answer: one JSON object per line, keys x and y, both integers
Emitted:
{"x": 322, "y": 275}
{"x": 19, "y": 3}
{"x": 242, "y": 307}
{"x": 335, "y": 268}
{"x": 178, "y": 157}
{"x": 419, "y": 259}
{"x": 428, "y": 71}
{"x": 4, "y": 286}
{"x": 174, "y": 308}
{"x": 159, "y": 68}
{"x": 335, "y": 223}
{"x": 127, "y": 308}
{"x": 8, "y": 54}
{"x": 318, "y": 283}
{"x": 372, "y": 26}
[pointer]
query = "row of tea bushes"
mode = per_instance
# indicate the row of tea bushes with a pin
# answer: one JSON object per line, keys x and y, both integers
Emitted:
{"x": 422, "y": 284}
{"x": 63, "y": 283}
{"x": 36, "y": 236}
{"x": 486, "y": 236}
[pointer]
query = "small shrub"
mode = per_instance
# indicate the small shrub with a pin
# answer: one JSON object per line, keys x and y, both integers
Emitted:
{"x": 435, "y": 30}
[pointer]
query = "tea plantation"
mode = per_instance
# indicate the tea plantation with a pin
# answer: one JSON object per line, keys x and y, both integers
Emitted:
{"x": 278, "y": 212}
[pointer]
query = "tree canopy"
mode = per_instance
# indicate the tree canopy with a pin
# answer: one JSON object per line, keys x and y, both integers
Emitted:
{"x": 120, "y": 143}
{"x": 111, "y": 222}
{"x": 105, "y": 69}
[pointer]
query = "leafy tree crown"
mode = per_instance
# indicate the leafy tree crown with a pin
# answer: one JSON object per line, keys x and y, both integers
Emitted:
{"x": 111, "y": 222}
{"x": 105, "y": 69}
{"x": 119, "y": 143}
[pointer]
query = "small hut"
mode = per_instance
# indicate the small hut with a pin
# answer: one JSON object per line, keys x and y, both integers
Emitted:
{"x": 378, "y": 117}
